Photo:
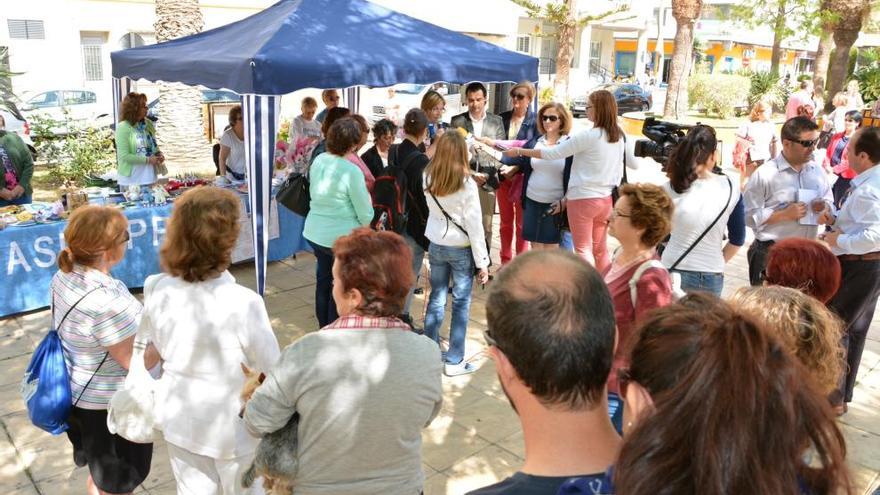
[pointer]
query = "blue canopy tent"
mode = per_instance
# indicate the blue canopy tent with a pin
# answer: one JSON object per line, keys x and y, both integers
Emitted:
{"x": 297, "y": 44}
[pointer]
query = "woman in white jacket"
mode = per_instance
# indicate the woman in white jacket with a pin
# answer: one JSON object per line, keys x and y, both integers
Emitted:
{"x": 204, "y": 325}
{"x": 458, "y": 245}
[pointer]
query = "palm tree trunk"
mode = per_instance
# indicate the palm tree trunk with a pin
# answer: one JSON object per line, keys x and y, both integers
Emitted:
{"x": 850, "y": 14}
{"x": 181, "y": 127}
{"x": 565, "y": 41}
{"x": 823, "y": 53}
{"x": 778, "y": 27}
{"x": 684, "y": 11}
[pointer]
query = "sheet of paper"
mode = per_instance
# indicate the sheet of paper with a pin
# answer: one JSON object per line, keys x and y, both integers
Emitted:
{"x": 806, "y": 196}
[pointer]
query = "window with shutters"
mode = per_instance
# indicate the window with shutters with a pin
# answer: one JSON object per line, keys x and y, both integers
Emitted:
{"x": 92, "y": 56}
{"x": 26, "y": 29}
{"x": 523, "y": 44}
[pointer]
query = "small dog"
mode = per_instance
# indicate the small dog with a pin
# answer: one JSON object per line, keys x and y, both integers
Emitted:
{"x": 275, "y": 459}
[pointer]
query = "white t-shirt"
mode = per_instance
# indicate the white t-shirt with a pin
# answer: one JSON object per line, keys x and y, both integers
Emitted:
{"x": 300, "y": 127}
{"x": 694, "y": 211}
{"x": 236, "y": 159}
{"x": 762, "y": 135}
{"x": 597, "y": 166}
{"x": 545, "y": 183}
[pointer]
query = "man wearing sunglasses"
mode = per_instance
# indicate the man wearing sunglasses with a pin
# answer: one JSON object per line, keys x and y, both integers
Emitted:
{"x": 780, "y": 193}
{"x": 551, "y": 334}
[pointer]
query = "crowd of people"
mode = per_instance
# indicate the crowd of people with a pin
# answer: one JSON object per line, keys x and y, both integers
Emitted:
{"x": 612, "y": 361}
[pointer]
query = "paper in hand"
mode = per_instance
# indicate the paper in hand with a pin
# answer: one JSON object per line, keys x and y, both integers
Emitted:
{"x": 806, "y": 196}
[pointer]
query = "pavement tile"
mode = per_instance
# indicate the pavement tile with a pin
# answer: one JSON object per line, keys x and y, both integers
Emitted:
{"x": 47, "y": 458}
{"x": 24, "y": 433}
{"x": 12, "y": 370}
{"x": 438, "y": 485}
{"x": 445, "y": 442}
{"x": 862, "y": 413}
{"x": 486, "y": 467}
{"x": 515, "y": 444}
{"x": 12, "y": 470}
{"x": 490, "y": 418}
{"x": 863, "y": 479}
{"x": 10, "y": 399}
{"x": 862, "y": 447}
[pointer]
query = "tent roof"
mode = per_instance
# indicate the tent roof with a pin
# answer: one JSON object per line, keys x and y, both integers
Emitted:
{"x": 297, "y": 44}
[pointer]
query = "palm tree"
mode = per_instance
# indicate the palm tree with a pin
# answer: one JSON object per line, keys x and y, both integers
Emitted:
{"x": 7, "y": 97}
{"x": 849, "y": 14}
{"x": 684, "y": 12}
{"x": 826, "y": 44}
{"x": 180, "y": 129}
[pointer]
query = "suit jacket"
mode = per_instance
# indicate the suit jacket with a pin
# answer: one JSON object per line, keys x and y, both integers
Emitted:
{"x": 493, "y": 127}
{"x": 527, "y": 130}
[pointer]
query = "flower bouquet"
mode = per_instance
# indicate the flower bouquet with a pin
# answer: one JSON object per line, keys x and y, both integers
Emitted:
{"x": 294, "y": 158}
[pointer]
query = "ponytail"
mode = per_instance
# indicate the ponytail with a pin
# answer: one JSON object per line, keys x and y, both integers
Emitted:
{"x": 65, "y": 260}
{"x": 695, "y": 149}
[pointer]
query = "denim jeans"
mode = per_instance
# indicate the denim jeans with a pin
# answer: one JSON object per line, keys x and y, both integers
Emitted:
{"x": 567, "y": 243}
{"x": 701, "y": 281}
{"x": 325, "y": 306}
{"x": 418, "y": 256}
{"x": 457, "y": 262}
{"x": 24, "y": 199}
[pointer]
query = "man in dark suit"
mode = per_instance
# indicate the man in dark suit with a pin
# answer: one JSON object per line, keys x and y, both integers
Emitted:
{"x": 480, "y": 123}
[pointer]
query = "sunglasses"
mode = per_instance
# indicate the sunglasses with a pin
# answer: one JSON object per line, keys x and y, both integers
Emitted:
{"x": 518, "y": 96}
{"x": 125, "y": 237}
{"x": 490, "y": 341}
{"x": 806, "y": 143}
{"x": 549, "y": 118}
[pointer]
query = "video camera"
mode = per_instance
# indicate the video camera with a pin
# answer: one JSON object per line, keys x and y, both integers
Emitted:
{"x": 662, "y": 139}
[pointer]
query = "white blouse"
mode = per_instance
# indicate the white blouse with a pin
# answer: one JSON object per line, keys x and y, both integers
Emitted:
{"x": 203, "y": 331}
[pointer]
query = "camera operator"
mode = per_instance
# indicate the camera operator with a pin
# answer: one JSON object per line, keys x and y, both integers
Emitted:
{"x": 776, "y": 193}
{"x": 705, "y": 205}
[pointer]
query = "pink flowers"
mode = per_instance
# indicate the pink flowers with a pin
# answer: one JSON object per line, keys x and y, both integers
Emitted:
{"x": 294, "y": 158}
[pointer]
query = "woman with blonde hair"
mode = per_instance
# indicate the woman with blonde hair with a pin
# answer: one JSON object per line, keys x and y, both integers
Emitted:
{"x": 458, "y": 246}
{"x": 760, "y": 133}
{"x": 597, "y": 168}
{"x": 97, "y": 318}
{"x": 137, "y": 154}
{"x": 804, "y": 325}
{"x": 834, "y": 121}
{"x": 204, "y": 326}
{"x": 544, "y": 181}
{"x": 433, "y": 104}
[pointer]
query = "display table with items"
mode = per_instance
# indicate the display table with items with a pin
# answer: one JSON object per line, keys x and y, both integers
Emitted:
{"x": 31, "y": 238}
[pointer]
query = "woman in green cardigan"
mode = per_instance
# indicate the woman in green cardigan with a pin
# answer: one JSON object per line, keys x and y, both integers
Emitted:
{"x": 16, "y": 169}
{"x": 137, "y": 154}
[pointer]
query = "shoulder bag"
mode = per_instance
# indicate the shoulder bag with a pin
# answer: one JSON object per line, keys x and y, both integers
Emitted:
{"x": 294, "y": 193}
{"x": 677, "y": 292}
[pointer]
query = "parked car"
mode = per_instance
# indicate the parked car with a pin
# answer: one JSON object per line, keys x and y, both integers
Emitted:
{"x": 407, "y": 96}
{"x": 208, "y": 96}
{"x": 630, "y": 98}
{"x": 19, "y": 126}
{"x": 80, "y": 105}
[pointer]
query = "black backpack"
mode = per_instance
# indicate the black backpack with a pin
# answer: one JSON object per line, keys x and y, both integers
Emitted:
{"x": 389, "y": 196}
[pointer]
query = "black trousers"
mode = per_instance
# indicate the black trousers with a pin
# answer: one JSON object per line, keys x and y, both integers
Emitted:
{"x": 757, "y": 257}
{"x": 855, "y": 303}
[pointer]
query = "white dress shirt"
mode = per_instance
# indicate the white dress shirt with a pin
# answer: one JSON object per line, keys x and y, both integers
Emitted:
{"x": 478, "y": 124}
{"x": 859, "y": 217}
{"x": 773, "y": 187}
{"x": 463, "y": 206}
{"x": 203, "y": 331}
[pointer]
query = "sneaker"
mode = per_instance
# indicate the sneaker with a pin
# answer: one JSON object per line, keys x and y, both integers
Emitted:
{"x": 462, "y": 368}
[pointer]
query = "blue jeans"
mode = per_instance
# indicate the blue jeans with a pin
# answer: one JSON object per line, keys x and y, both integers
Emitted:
{"x": 567, "y": 243}
{"x": 701, "y": 281}
{"x": 418, "y": 256}
{"x": 325, "y": 306}
{"x": 24, "y": 199}
{"x": 457, "y": 262}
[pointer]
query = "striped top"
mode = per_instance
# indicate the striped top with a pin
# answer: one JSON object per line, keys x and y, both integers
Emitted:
{"x": 105, "y": 317}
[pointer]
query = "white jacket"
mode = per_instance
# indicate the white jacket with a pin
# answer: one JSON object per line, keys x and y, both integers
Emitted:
{"x": 463, "y": 206}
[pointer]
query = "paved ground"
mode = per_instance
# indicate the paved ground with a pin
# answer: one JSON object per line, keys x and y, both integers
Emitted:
{"x": 475, "y": 441}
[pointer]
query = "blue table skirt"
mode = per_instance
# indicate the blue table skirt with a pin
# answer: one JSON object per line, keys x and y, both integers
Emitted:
{"x": 29, "y": 254}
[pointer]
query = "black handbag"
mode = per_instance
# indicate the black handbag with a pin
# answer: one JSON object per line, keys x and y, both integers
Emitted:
{"x": 615, "y": 191}
{"x": 294, "y": 194}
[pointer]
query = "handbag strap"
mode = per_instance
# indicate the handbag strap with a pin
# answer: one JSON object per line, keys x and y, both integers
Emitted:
{"x": 718, "y": 217}
{"x": 90, "y": 379}
{"x": 449, "y": 218}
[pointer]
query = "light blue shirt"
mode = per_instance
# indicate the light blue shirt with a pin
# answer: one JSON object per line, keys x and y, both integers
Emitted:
{"x": 859, "y": 217}
{"x": 339, "y": 202}
{"x": 774, "y": 186}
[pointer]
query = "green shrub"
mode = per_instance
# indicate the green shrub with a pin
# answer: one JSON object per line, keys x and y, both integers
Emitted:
{"x": 546, "y": 95}
{"x": 718, "y": 94}
{"x": 75, "y": 157}
{"x": 869, "y": 82}
{"x": 765, "y": 86}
